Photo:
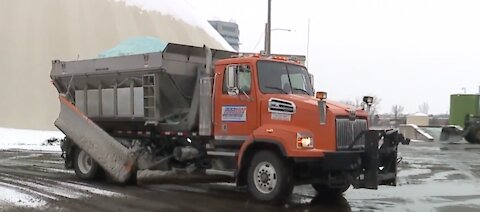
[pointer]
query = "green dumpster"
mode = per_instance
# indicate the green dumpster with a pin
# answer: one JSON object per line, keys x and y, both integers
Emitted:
{"x": 462, "y": 104}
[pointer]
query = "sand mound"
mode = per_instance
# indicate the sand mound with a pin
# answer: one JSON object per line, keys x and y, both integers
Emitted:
{"x": 34, "y": 32}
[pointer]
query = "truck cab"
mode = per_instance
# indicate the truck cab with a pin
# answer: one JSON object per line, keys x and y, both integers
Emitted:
{"x": 268, "y": 104}
{"x": 273, "y": 99}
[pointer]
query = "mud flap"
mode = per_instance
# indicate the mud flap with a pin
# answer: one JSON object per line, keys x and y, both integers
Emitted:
{"x": 67, "y": 152}
{"x": 104, "y": 149}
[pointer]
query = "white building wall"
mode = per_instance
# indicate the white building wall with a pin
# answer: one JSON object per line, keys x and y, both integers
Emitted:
{"x": 418, "y": 119}
{"x": 35, "y": 32}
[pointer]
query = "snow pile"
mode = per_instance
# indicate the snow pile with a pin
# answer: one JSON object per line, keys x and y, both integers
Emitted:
{"x": 29, "y": 139}
{"x": 181, "y": 10}
{"x": 41, "y": 31}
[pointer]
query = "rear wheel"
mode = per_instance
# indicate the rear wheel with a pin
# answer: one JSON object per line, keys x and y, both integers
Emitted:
{"x": 269, "y": 177}
{"x": 323, "y": 189}
{"x": 85, "y": 167}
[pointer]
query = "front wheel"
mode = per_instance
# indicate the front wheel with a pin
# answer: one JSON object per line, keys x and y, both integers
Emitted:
{"x": 85, "y": 167}
{"x": 269, "y": 178}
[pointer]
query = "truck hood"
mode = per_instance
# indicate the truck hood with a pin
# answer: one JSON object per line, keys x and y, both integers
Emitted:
{"x": 306, "y": 118}
{"x": 310, "y": 103}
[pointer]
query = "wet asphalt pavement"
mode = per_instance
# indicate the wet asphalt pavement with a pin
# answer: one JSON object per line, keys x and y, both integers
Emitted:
{"x": 432, "y": 177}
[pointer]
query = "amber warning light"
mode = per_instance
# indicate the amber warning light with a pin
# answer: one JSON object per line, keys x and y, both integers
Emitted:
{"x": 321, "y": 95}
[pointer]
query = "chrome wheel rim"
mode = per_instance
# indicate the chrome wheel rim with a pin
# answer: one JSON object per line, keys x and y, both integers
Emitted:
{"x": 85, "y": 162}
{"x": 265, "y": 177}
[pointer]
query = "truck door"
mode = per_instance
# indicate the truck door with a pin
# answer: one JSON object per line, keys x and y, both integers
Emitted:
{"x": 235, "y": 106}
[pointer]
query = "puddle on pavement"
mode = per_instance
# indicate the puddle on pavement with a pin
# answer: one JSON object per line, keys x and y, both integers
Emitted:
{"x": 417, "y": 197}
{"x": 413, "y": 172}
{"x": 432, "y": 193}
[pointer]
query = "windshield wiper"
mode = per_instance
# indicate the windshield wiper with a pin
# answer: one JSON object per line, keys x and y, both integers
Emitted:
{"x": 299, "y": 89}
{"x": 277, "y": 88}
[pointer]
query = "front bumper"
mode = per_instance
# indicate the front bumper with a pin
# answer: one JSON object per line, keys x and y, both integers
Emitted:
{"x": 375, "y": 165}
{"x": 379, "y": 162}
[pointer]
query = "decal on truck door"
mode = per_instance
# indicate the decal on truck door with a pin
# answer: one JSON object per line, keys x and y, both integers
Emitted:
{"x": 234, "y": 113}
{"x": 281, "y": 116}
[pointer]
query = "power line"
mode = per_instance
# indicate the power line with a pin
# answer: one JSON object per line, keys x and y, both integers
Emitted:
{"x": 258, "y": 42}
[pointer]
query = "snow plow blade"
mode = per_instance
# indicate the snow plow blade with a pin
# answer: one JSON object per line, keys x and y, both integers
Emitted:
{"x": 114, "y": 158}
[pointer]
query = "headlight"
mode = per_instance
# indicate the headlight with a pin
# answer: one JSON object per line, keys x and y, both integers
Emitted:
{"x": 304, "y": 141}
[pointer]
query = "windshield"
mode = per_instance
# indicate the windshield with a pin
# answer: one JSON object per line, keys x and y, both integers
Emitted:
{"x": 283, "y": 78}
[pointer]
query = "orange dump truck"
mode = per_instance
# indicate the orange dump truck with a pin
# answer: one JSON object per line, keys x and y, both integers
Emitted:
{"x": 209, "y": 114}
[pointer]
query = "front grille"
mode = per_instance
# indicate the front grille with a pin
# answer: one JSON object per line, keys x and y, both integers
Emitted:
{"x": 347, "y": 130}
{"x": 281, "y": 106}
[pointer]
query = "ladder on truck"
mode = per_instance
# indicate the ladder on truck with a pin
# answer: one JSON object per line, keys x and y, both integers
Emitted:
{"x": 150, "y": 109}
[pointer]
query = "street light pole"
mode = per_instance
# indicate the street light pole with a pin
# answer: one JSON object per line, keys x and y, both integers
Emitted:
{"x": 268, "y": 29}
{"x": 267, "y": 42}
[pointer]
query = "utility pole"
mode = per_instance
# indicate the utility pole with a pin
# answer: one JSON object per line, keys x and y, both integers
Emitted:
{"x": 268, "y": 29}
{"x": 308, "y": 42}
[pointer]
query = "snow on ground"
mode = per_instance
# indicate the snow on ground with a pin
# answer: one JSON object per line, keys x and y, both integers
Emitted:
{"x": 19, "y": 199}
{"x": 29, "y": 139}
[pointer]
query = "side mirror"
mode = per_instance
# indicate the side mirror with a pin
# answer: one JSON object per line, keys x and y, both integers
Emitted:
{"x": 368, "y": 100}
{"x": 367, "y": 103}
{"x": 233, "y": 91}
{"x": 231, "y": 75}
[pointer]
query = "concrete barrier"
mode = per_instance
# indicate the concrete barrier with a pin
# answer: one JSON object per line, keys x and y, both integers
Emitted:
{"x": 413, "y": 132}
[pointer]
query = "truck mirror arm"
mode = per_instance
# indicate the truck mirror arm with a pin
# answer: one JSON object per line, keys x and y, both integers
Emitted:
{"x": 246, "y": 95}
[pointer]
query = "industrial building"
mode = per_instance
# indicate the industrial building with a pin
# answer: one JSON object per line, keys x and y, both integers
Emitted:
{"x": 229, "y": 31}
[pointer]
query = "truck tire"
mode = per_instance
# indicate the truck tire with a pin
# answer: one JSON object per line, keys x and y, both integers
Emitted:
{"x": 269, "y": 178}
{"x": 474, "y": 135}
{"x": 323, "y": 189}
{"x": 132, "y": 180}
{"x": 85, "y": 167}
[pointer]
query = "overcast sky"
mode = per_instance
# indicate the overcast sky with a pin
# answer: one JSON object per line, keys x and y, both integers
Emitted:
{"x": 404, "y": 51}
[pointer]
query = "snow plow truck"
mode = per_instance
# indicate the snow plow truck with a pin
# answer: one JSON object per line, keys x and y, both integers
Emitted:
{"x": 216, "y": 116}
